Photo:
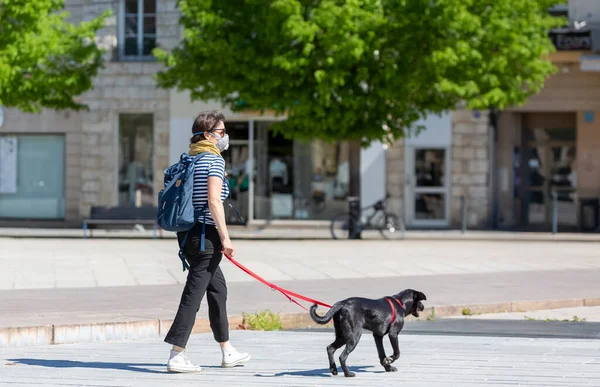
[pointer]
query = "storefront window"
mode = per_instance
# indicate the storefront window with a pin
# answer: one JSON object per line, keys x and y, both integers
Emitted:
{"x": 32, "y": 176}
{"x": 236, "y": 161}
{"x": 299, "y": 180}
{"x": 136, "y": 149}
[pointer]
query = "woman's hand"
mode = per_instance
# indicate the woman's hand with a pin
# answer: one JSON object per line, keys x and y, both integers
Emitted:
{"x": 228, "y": 248}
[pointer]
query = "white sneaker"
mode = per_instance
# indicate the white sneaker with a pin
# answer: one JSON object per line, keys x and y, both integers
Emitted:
{"x": 232, "y": 357}
{"x": 178, "y": 362}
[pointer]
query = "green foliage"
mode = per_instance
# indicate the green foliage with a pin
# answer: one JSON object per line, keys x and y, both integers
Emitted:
{"x": 45, "y": 61}
{"x": 431, "y": 316}
{"x": 263, "y": 321}
{"x": 360, "y": 69}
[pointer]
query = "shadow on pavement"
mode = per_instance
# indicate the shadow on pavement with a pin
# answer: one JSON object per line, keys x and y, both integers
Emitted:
{"x": 133, "y": 367}
{"x": 323, "y": 372}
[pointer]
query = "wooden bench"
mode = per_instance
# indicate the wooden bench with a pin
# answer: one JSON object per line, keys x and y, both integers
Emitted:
{"x": 121, "y": 216}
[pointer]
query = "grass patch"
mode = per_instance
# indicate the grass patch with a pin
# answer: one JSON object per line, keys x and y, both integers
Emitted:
{"x": 262, "y": 321}
{"x": 431, "y": 316}
{"x": 467, "y": 312}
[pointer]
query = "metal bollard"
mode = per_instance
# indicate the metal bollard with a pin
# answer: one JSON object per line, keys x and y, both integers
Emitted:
{"x": 463, "y": 214}
{"x": 354, "y": 218}
{"x": 554, "y": 212}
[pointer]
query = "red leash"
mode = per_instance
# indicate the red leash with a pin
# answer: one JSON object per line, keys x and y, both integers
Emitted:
{"x": 288, "y": 293}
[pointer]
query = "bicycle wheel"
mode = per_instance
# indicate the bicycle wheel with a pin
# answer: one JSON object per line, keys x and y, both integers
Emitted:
{"x": 339, "y": 226}
{"x": 391, "y": 227}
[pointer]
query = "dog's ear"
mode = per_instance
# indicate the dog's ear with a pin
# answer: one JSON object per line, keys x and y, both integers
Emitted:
{"x": 420, "y": 296}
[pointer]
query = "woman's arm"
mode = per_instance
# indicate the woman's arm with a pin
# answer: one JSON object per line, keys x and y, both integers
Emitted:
{"x": 217, "y": 211}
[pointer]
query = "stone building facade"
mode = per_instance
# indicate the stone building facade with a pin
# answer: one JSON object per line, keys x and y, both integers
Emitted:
{"x": 465, "y": 171}
{"x": 470, "y": 167}
{"x": 124, "y": 86}
{"x": 96, "y": 147}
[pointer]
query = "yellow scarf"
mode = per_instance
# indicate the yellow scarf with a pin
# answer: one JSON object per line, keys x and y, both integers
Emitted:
{"x": 203, "y": 146}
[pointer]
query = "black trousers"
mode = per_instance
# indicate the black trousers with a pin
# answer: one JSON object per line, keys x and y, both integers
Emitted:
{"x": 204, "y": 276}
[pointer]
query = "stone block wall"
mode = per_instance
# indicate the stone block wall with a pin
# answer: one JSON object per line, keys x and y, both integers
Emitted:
{"x": 470, "y": 167}
{"x": 121, "y": 87}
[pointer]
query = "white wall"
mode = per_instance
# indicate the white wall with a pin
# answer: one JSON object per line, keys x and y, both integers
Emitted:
{"x": 372, "y": 174}
{"x": 584, "y": 10}
{"x": 438, "y": 132}
{"x": 179, "y": 137}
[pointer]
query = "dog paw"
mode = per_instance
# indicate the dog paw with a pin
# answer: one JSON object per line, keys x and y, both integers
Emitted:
{"x": 350, "y": 375}
{"x": 333, "y": 370}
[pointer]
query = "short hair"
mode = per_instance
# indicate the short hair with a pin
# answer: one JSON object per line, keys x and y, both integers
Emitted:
{"x": 205, "y": 122}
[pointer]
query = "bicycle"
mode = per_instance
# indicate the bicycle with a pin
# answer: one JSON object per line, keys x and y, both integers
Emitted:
{"x": 387, "y": 223}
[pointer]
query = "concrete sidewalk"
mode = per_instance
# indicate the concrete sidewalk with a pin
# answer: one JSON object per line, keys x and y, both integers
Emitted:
{"x": 76, "y": 263}
{"x": 76, "y": 290}
{"x": 299, "y": 359}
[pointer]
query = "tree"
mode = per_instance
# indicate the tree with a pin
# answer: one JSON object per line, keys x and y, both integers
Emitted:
{"x": 45, "y": 61}
{"x": 360, "y": 69}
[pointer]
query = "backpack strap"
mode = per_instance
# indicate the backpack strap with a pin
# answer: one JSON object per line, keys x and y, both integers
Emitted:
{"x": 182, "y": 256}
{"x": 205, "y": 207}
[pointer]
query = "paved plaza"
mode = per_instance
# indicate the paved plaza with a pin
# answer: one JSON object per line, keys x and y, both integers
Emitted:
{"x": 299, "y": 359}
{"x": 66, "y": 282}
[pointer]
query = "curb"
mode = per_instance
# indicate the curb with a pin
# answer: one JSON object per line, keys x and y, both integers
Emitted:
{"x": 309, "y": 235}
{"x": 155, "y": 328}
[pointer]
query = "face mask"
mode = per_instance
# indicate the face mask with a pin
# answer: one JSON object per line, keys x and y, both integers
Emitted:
{"x": 222, "y": 142}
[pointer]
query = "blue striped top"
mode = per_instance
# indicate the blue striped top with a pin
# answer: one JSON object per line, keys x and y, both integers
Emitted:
{"x": 206, "y": 166}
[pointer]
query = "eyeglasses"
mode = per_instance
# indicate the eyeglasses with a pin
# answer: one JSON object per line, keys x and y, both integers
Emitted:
{"x": 221, "y": 130}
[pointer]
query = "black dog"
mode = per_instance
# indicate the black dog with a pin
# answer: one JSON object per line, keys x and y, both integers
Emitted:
{"x": 382, "y": 316}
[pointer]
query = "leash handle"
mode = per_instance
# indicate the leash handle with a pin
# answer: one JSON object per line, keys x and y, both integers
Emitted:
{"x": 288, "y": 293}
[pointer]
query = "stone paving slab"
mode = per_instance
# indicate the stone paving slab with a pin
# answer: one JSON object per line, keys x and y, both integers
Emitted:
{"x": 74, "y": 263}
{"x": 299, "y": 359}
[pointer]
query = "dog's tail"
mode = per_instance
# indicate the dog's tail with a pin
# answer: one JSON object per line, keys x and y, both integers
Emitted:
{"x": 323, "y": 319}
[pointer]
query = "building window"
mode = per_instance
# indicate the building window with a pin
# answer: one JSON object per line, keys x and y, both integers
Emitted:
{"x": 32, "y": 176}
{"x": 137, "y": 32}
{"x": 136, "y": 150}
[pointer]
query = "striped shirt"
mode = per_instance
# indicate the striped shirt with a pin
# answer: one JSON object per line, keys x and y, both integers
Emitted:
{"x": 207, "y": 166}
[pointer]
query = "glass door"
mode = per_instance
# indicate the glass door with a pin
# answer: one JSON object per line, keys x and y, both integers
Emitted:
{"x": 549, "y": 167}
{"x": 238, "y": 174}
{"x": 136, "y": 155}
{"x": 427, "y": 187}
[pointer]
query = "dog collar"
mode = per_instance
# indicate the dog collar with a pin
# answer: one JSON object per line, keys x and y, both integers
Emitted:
{"x": 389, "y": 300}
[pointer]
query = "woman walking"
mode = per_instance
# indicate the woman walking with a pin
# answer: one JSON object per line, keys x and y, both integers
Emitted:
{"x": 205, "y": 275}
